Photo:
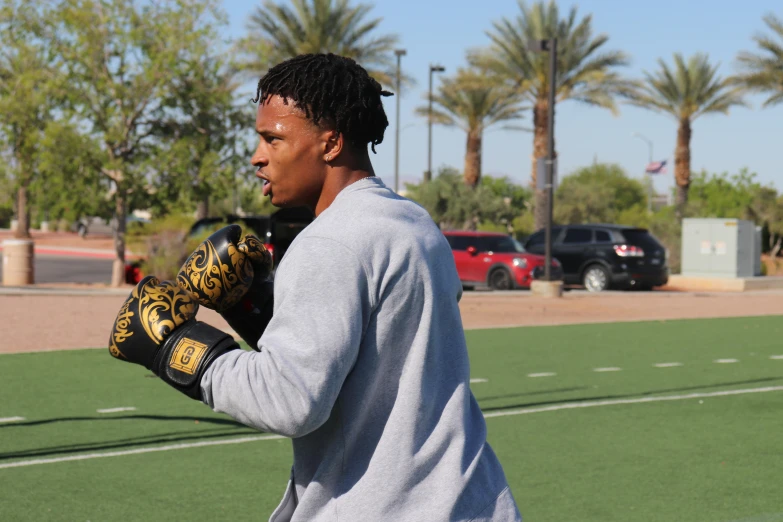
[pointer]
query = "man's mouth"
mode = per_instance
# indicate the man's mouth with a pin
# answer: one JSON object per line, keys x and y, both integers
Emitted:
{"x": 267, "y": 187}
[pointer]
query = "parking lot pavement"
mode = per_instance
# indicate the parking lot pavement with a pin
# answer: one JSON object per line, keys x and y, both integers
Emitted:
{"x": 581, "y": 292}
{"x": 567, "y": 291}
{"x": 69, "y": 269}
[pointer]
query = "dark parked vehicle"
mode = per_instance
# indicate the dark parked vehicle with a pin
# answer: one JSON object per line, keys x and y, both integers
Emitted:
{"x": 276, "y": 230}
{"x": 97, "y": 226}
{"x": 495, "y": 260}
{"x": 600, "y": 257}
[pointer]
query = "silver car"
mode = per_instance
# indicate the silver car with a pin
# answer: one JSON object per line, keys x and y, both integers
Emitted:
{"x": 96, "y": 226}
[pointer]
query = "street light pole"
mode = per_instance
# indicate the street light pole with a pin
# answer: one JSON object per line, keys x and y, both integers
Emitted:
{"x": 428, "y": 174}
{"x": 649, "y": 178}
{"x": 550, "y": 177}
{"x": 549, "y": 46}
{"x": 400, "y": 53}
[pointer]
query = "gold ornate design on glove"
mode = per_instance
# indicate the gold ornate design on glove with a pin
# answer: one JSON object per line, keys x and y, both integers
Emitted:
{"x": 257, "y": 252}
{"x": 163, "y": 307}
{"x": 219, "y": 285}
{"x": 160, "y": 308}
{"x": 206, "y": 277}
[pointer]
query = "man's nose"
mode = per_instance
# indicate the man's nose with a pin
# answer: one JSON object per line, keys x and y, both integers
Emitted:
{"x": 259, "y": 158}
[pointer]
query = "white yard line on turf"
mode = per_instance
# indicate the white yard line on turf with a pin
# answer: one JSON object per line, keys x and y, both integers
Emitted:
{"x": 116, "y": 410}
{"x": 593, "y": 404}
{"x": 612, "y": 369}
{"x": 477, "y": 379}
{"x": 542, "y": 374}
{"x": 555, "y": 407}
{"x": 776, "y": 356}
{"x": 726, "y": 361}
{"x": 668, "y": 365}
{"x": 170, "y": 447}
{"x": 11, "y": 419}
{"x": 769, "y": 517}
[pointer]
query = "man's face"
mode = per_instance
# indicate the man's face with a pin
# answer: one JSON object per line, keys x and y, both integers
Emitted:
{"x": 290, "y": 154}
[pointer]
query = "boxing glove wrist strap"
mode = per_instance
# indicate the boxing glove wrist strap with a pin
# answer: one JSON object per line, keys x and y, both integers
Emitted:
{"x": 187, "y": 353}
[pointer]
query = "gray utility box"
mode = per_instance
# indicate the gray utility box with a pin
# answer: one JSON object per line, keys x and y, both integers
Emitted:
{"x": 715, "y": 247}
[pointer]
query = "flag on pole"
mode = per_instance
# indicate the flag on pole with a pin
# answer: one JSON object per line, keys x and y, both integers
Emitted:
{"x": 656, "y": 167}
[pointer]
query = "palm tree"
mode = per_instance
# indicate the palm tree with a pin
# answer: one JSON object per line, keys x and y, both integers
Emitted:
{"x": 764, "y": 72}
{"x": 686, "y": 92}
{"x": 277, "y": 32}
{"x": 473, "y": 103}
{"x": 584, "y": 72}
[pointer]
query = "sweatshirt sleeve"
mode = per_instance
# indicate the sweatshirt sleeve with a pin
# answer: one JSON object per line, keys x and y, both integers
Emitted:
{"x": 322, "y": 306}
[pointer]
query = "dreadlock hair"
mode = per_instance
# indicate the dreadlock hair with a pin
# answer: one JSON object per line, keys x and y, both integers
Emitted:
{"x": 331, "y": 89}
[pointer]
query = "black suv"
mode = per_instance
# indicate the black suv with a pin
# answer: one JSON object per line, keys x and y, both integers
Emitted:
{"x": 276, "y": 230}
{"x": 604, "y": 256}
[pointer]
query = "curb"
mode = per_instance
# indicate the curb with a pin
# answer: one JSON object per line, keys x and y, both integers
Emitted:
{"x": 79, "y": 252}
{"x": 74, "y": 252}
{"x": 44, "y": 291}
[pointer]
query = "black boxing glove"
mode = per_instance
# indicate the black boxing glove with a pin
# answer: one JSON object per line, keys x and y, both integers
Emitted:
{"x": 156, "y": 328}
{"x": 230, "y": 274}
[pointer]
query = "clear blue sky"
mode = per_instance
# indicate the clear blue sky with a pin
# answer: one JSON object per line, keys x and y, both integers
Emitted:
{"x": 442, "y": 30}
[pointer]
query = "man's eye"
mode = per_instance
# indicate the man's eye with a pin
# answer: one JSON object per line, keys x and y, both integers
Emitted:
{"x": 270, "y": 139}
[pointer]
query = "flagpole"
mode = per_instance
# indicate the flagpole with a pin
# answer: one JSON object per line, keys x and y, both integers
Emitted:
{"x": 648, "y": 174}
{"x": 650, "y": 184}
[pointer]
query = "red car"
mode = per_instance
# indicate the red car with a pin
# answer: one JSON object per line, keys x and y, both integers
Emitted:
{"x": 496, "y": 260}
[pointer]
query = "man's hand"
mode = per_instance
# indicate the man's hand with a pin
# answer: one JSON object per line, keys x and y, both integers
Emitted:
{"x": 156, "y": 328}
{"x": 230, "y": 274}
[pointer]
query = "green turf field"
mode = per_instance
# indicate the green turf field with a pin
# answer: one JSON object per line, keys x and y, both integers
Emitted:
{"x": 577, "y": 445}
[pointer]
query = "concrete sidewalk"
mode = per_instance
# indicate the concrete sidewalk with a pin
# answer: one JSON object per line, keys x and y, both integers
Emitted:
{"x": 61, "y": 319}
{"x": 70, "y": 244}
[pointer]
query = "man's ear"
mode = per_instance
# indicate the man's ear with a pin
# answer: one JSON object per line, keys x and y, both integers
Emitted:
{"x": 333, "y": 145}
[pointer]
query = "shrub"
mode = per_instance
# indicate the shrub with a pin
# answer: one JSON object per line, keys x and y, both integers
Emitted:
{"x": 164, "y": 244}
{"x": 665, "y": 226}
{"x": 6, "y": 215}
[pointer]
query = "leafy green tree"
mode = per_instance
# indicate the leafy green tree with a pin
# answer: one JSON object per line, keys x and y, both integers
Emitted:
{"x": 473, "y": 102}
{"x": 516, "y": 196}
{"x": 516, "y": 199}
{"x": 767, "y": 210}
{"x": 666, "y": 226}
{"x": 763, "y": 72}
{"x": 245, "y": 196}
{"x": 30, "y": 83}
{"x": 690, "y": 89}
{"x": 453, "y": 204}
{"x": 278, "y": 31}
{"x": 586, "y": 72}
{"x": 123, "y": 58}
{"x": 722, "y": 195}
{"x": 69, "y": 184}
{"x": 599, "y": 193}
{"x": 6, "y": 194}
{"x": 202, "y": 153}
{"x": 739, "y": 196}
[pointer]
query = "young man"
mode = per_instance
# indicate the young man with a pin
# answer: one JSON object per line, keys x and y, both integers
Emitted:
{"x": 364, "y": 363}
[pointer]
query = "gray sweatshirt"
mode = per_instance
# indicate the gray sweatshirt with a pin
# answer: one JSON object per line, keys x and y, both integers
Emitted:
{"x": 365, "y": 366}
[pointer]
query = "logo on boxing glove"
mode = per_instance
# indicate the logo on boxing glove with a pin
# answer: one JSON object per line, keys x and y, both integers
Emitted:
{"x": 187, "y": 355}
